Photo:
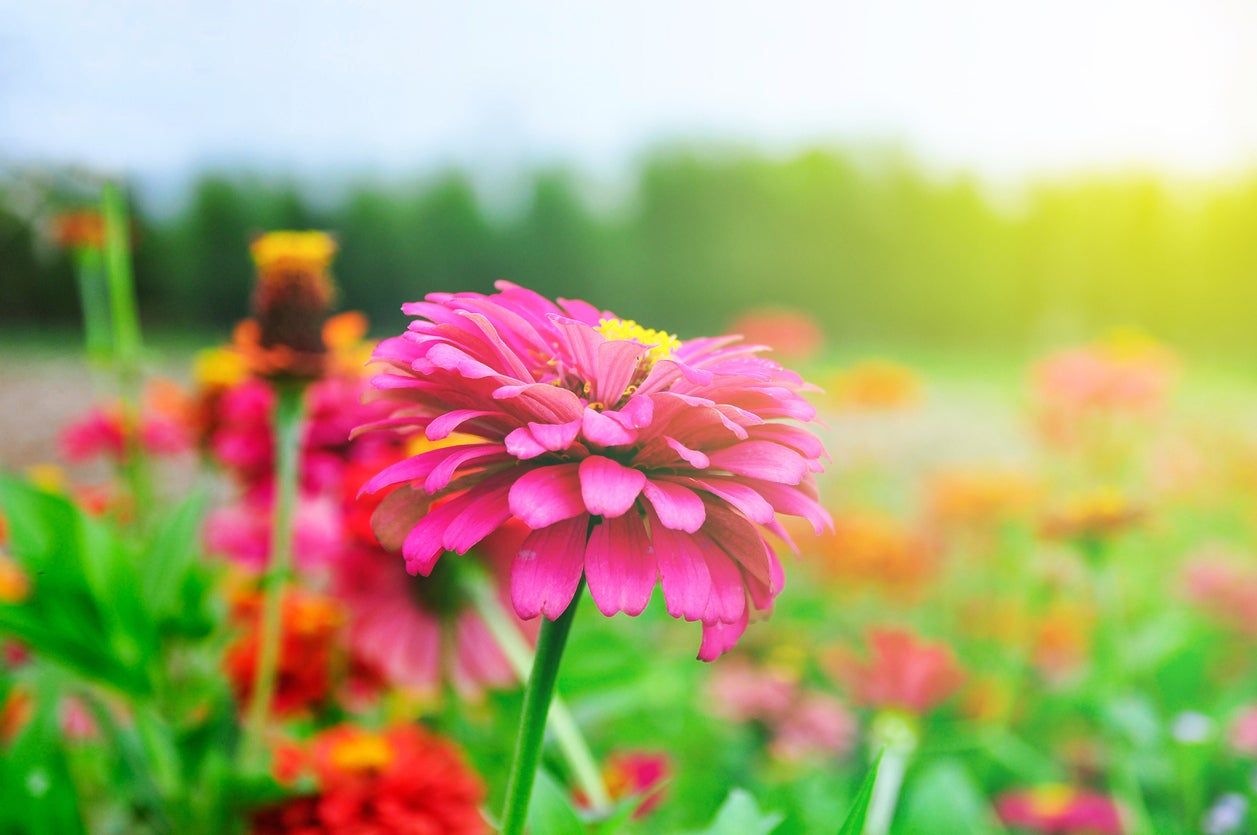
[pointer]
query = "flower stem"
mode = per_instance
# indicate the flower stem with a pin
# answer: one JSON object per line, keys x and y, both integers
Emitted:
{"x": 94, "y": 300}
{"x": 566, "y": 732}
{"x": 532, "y": 724}
{"x": 124, "y": 331}
{"x": 897, "y": 736}
{"x": 288, "y": 430}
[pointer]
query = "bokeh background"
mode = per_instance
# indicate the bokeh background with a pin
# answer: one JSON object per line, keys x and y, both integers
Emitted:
{"x": 974, "y": 175}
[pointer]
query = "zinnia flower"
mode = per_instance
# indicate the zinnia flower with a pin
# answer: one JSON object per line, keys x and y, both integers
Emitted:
{"x": 1061, "y": 810}
{"x": 875, "y": 385}
{"x": 310, "y": 624}
{"x": 632, "y": 456}
{"x": 642, "y": 773}
{"x": 1093, "y": 515}
{"x": 902, "y": 672}
{"x": 402, "y": 780}
{"x": 290, "y": 304}
{"x": 794, "y": 335}
{"x": 79, "y": 229}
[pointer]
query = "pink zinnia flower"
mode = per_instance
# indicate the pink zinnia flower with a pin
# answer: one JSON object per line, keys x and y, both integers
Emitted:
{"x": 793, "y": 334}
{"x": 1243, "y": 734}
{"x": 242, "y": 531}
{"x": 816, "y": 727}
{"x": 742, "y": 692}
{"x": 102, "y": 433}
{"x": 420, "y": 632}
{"x": 1060, "y": 810}
{"x": 633, "y": 457}
{"x": 902, "y": 672}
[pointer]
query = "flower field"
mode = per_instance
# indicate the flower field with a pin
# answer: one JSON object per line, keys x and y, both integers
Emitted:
{"x": 525, "y": 564}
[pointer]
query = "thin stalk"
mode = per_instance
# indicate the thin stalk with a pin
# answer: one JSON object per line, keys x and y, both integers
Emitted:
{"x": 532, "y": 724}
{"x": 124, "y": 329}
{"x": 897, "y": 736}
{"x": 94, "y": 300}
{"x": 567, "y": 733}
{"x": 288, "y": 430}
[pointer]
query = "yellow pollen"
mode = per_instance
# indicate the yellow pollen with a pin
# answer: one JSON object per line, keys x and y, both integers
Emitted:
{"x": 362, "y": 752}
{"x": 661, "y": 343}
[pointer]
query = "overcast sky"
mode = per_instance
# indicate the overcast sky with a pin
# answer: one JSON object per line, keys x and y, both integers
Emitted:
{"x": 160, "y": 88}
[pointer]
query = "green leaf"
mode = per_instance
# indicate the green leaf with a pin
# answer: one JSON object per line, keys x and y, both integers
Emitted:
{"x": 36, "y": 789}
{"x": 741, "y": 815}
{"x": 551, "y": 809}
{"x": 166, "y": 561}
{"x": 946, "y": 798}
{"x": 854, "y": 824}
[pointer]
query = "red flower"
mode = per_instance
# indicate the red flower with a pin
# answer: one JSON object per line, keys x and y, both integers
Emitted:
{"x": 404, "y": 780}
{"x": 311, "y": 624}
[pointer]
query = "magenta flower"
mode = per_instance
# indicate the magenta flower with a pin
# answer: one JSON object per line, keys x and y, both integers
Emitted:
{"x": 1061, "y": 810}
{"x": 632, "y": 456}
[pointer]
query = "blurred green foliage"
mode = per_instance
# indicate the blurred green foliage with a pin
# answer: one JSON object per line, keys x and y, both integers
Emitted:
{"x": 871, "y": 242}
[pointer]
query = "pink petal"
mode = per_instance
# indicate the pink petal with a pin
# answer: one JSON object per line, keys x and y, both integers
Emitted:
{"x": 727, "y": 601}
{"x": 484, "y": 509}
{"x": 460, "y": 456}
{"x": 602, "y": 430}
{"x": 444, "y": 425}
{"x": 620, "y": 565}
{"x": 616, "y": 363}
{"x": 761, "y": 459}
{"x": 608, "y": 487}
{"x": 521, "y": 444}
{"x": 719, "y": 638}
{"x": 419, "y": 466}
{"x": 547, "y": 495}
{"x": 693, "y": 457}
{"x": 547, "y": 569}
{"x": 541, "y": 402}
{"x": 739, "y": 495}
{"x": 682, "y": 569}
{"x": 555, "y": 437}
{"x": 679, "y": 508}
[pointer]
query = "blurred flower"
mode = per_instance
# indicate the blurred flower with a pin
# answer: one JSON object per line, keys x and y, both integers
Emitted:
{"x": 79, "y": 229}
{"x": 1062, "y": 638}
{"x": 976, "y": 499}
{"x": 1125, "y": 375}
{"x": 102, "y": 432}
{"x": 815, "y": 727}
{"x": 1093, "y": 515}
{"x": 635, "y": 773}
{"x": 874, "y": 385}
{"x": 77, "y": 722}
{"x": 632, "y": 456}
{"x": 1059, "y": 809}
{"x": 988, "y": 698}
{"x": 1191, "y": 727}
{"x": 793, "y": 335}
{"x": 900, "y": 672}
{"x": 1226, "y": 816}
{"x": 310, "y": 626}
{"x": 15, "y": 712}
{"x": 290, "y": 304}
{"x": 419, "y": 632}
{"x": 1224, "y": 585}
{"x": 14, "y": 584}
{"x": 1243, "y": 734}
{"x": 866, "y": 548}
{"x": 742, "y": 692}
{"x": 402, "y": 780}
{"x": 242, "y": 531}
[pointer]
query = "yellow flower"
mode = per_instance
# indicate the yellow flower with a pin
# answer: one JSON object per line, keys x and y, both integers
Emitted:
{"x": 219, "y": 367}
{"x": 362, "y": 751}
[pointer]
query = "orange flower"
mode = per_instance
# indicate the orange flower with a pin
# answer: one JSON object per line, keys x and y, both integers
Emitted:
{"x": 875, "y": 385}
{"x": 310, "y": 626}
{"x": 1062, "y": 638}
{"x": 980, "y": 498}
{"x": 871, "y": 549}
{"x": 14, "y": 584}
{"x": 1093, "y": 515}
{"x": 79, "y": 229}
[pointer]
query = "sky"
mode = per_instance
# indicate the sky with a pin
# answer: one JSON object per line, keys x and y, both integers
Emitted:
{"x": 161, "y": 89}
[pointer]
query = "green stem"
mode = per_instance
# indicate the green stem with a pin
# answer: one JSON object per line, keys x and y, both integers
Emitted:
{"x": 288, "y": 430}
{"x": 124, "y": 329}
{"x": 94, "y": 300}
{"x": 532, "y": 724}
{"x": 566, "y": 732}
{"x": 897, "y": 740}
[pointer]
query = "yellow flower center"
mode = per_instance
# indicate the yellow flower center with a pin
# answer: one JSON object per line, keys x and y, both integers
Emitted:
{"x": 362, "y": 752}
{"x": 661, "y": 343}
{"x": 293, "y": 250}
